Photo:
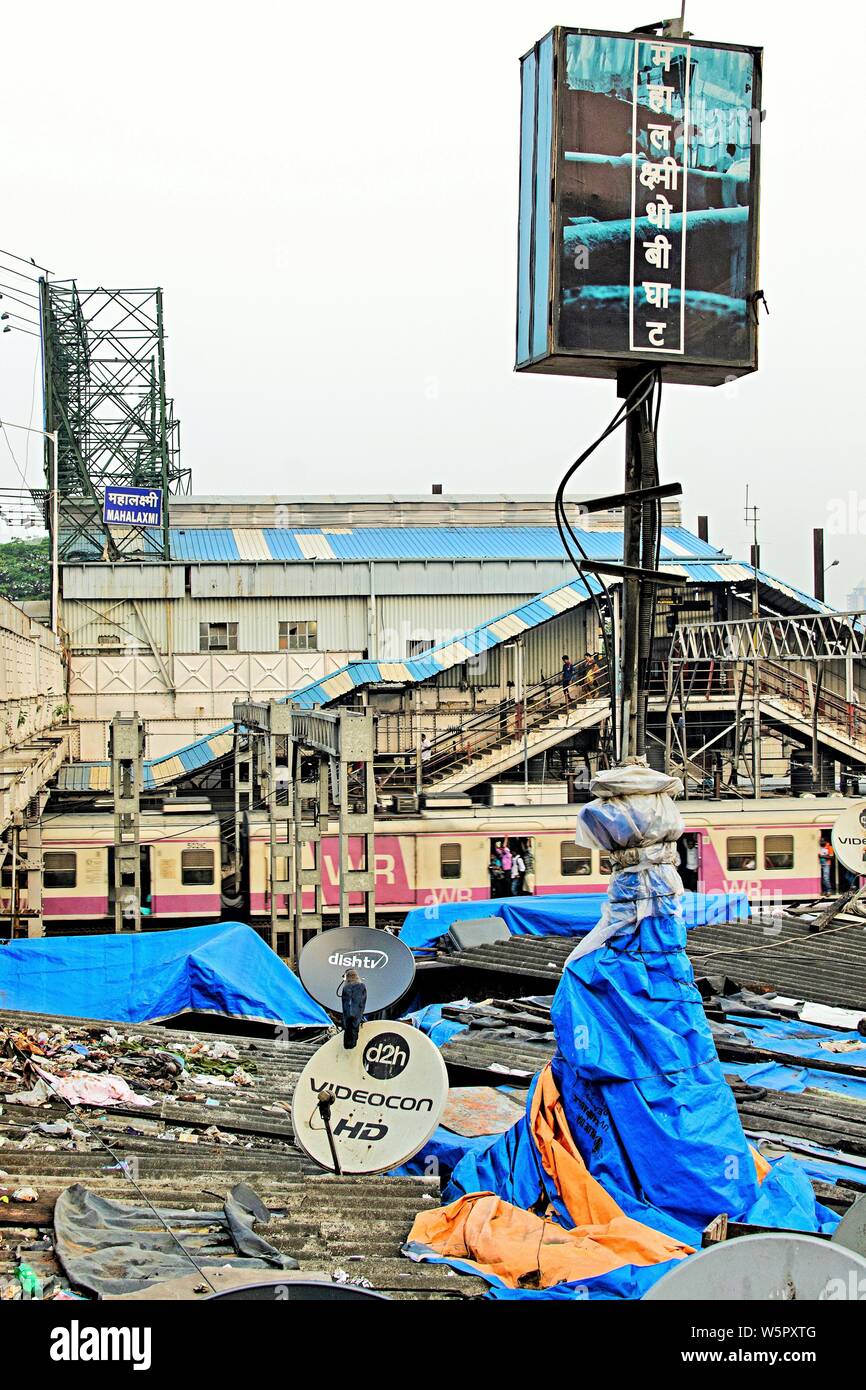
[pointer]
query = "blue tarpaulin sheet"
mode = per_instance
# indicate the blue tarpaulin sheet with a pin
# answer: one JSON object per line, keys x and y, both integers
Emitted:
{"x": 431, "y": 1022}
{"x": 645, "y": 1096}
{"x": 554, "y": 914}
{"x": 225, "y": 969}
{"x": 635, "y": 1080}
{"x": 775, "y": 1076}
{"x": 806, "y": 1040}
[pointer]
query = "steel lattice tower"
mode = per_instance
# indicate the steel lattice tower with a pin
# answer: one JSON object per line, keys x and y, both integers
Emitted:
{"x": 104, "y": 385}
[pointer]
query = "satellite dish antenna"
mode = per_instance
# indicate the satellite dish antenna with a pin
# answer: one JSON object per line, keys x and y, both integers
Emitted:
{"x": 851, "y": 1231}
{"x": 384, "y": 962}
{"x": 774, "y": 1265}
{"x": 371, "y": 1107}
{"x": 848, "y": 837}
{"x": 296, "y": 1291}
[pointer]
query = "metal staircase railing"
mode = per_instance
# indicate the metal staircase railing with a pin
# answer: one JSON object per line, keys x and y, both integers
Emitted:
{"x": 493, "y": 728}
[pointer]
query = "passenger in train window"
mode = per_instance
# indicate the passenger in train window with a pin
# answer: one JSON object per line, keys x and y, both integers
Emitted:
{"x": 825, "y": 860}
{"x": 518, "y": 871}
{"x": 529, "y": 874}
{"x": 689, "y": 862}
{"x": 496, "y": 872}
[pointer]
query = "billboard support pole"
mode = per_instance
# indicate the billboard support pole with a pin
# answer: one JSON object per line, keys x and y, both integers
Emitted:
{"x": 627, "y": 379}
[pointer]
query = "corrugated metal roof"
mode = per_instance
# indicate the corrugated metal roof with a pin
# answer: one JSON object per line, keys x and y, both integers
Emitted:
{"x": 365, "y": 543}
{"x": 454, "y": 652}
{"x": 204, "y": 543}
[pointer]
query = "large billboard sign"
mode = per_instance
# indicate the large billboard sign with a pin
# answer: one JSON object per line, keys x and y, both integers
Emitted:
{"x": 638, "y": 220}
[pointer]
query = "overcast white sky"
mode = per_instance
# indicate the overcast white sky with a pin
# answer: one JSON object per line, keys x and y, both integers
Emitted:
{"x": 328, "y": 195}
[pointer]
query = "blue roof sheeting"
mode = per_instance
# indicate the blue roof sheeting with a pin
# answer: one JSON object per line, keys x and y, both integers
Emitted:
{"x": 365, "y": 543}
{"x": 204, "y": 543}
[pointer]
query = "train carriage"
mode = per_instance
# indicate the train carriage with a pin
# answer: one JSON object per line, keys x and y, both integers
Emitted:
{"x": 180, "y": 867}
{"x": 766, "y": 849}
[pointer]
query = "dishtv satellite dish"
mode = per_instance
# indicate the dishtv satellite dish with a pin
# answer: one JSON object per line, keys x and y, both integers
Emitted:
{"x": 371, "y": 1107}
{"x": 775, "y": 1265}
{"x": 848, "y": 837}
{"x": 385, "y": 964}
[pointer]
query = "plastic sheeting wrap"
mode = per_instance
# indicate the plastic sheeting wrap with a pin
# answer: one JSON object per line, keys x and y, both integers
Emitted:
{"x": 635, "y": 1097}
{"x": 225, "y": 969}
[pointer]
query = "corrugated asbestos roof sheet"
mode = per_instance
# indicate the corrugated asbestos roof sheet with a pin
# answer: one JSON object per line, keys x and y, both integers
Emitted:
{"x": 546, "y": 605}
{"x": 326, "y": 1223}
{"x": 364, "y": 543}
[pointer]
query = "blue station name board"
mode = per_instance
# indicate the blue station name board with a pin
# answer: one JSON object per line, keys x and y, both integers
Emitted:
{"x": 132, "y": 506}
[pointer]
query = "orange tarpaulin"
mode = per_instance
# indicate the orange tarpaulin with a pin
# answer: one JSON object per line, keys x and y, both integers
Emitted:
{"x": 522, "y": 1248}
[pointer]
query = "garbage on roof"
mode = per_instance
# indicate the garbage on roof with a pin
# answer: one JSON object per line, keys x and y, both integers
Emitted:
{"x": 219, "y": 1114}
{"x": 224, "y": 969}
{"x": 631, "y": 1141}
{"x": 553, "y": 914}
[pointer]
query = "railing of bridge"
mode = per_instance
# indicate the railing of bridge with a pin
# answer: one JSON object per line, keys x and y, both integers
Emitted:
{"x": 711, "y": 679}
{"x": 481, "y": 732}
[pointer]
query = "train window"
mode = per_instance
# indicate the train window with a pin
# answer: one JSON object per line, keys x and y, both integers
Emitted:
{"x": 450, "y": 861}
{"x": 778, "y": 852}
{"x": 574, "y": 860}
{"x": 742, "y": 852}
{"x": 605, "y": 866}
{"x": 59, "y": 868}
{"x": 197, "y": 867}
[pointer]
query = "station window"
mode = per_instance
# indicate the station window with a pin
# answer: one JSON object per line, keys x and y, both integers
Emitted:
{"x": 59, "y": 869}
{"x": 298, "y": 637}
{"x": 197, "y": 867}
{"x": 450, "y": 861}
{"x": 217, "y": 637}
{"x": 778, "y": 852}
{"x": 574, "y": 860}
{"x": 742, "y": 853}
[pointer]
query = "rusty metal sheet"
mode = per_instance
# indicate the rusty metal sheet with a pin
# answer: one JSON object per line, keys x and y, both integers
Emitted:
{"x": 476, "y": 1110}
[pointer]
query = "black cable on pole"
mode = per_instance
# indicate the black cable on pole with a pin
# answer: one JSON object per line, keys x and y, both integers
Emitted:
{"x": 632, "y": 402}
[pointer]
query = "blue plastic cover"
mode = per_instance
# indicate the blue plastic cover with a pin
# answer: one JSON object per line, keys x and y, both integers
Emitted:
{"x": 775, "y": 1076}
{"x": 555, "y": 914}
{"x": 640, "y": 1085}
{"x": 797, "y": 1039}
{"x": 146, "y": 976}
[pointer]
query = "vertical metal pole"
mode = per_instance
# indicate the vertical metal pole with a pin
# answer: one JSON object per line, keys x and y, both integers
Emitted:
{"x": 236, "y": 838}
{"x": 163, "y": 427}
{"x": 343, "y": 815}
{"x": 626, "y": 382}
{"x": 669, "y": 717}
{"x": 756, "y": 669}
{"x": 127, "y": 755}
{"x": 816, "y": 696}
{"x": 521, "y": 656}
{"x": 818, "y": 562}
{"x": 33, "y": 829}
{"x": 55, "y": 539}
{"x": 272, "y": 830}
